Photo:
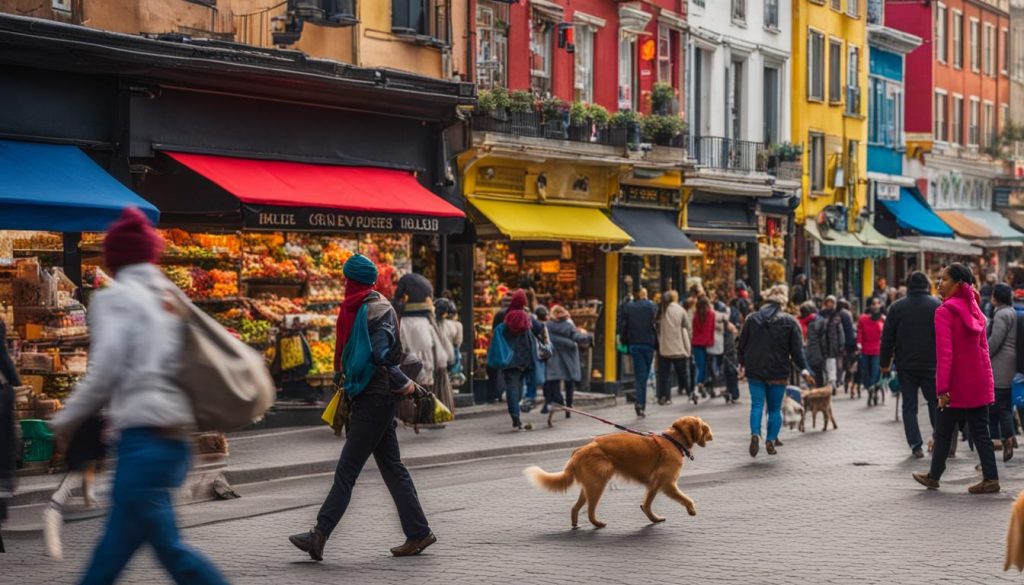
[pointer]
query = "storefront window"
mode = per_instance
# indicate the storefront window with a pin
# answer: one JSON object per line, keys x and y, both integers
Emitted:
{"x": 771, "y": 238}
{"x": 719, "y": 266}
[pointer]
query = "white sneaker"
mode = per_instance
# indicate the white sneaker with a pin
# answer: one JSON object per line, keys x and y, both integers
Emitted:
{"x": 53, "y": 522}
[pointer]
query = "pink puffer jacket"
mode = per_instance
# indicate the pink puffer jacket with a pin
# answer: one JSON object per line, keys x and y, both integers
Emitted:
{"x": 962, "y": 365}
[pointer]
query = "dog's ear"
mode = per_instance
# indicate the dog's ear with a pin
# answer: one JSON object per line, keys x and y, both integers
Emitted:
{"x": 686, "y": 429}
{"x": 705, "y": 434}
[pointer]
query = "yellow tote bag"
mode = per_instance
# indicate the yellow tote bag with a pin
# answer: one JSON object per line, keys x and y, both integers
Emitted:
{"x": 332, "y": 408}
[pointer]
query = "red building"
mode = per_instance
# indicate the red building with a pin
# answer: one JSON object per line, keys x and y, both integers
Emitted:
{"x": 960, "y": 70}
{"x": 596, "y": 51}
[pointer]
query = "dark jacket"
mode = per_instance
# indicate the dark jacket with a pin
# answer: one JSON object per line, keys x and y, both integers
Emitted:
{"x": 636, "y": 324}
{"x": 385, "y": 346}
{"x": 826, "y": 334}
{"x": 849, "y": 334}
{"x": 565, "y": 359}
{"x": 909, "y": 332}
{"x": 524, "y": 345}
{"x": 770, "y": 339}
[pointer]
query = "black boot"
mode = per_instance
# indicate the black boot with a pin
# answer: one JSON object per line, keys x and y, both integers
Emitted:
{"x": 311, "y": 542}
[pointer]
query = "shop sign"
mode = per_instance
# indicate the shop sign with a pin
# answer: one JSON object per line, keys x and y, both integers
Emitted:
{"x": 655, "y": 196}
{"x": 510, "y": 180}
{"x": 327, "y": 220}
{"x": 887, "y": 192}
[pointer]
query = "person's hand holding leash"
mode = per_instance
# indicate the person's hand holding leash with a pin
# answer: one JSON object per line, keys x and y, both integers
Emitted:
{"x": 943, "y": 401}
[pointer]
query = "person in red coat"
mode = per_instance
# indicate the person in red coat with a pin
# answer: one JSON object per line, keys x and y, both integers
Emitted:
{"x": 703, "y": 338}
{"x": 964, "y": 382}
{"x": 869, "y": 340}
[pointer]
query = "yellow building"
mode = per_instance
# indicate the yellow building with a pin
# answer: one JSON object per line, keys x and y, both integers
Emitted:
{"x": 830, "y": 76}
{"x": 423, "y": 38}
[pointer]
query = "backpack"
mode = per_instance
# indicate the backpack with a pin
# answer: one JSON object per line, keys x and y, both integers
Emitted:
{"x": 226, "y": 380}
{"x": 1020, "y": 340}
{"x": 499, "y": 352}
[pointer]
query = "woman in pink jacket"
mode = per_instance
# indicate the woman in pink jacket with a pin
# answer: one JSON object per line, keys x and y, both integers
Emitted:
{"x": 963, "y": 377}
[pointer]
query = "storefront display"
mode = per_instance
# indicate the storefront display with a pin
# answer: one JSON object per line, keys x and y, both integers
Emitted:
{"x": 771, "y": 239}
{"x": 719, "y": 266}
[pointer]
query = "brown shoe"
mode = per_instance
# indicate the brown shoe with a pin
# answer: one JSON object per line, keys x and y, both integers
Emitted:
{"x": 769, "y": 446}
{"x": 754, "y": 445}
{"x": 414, "y": 547}
{"x": 1007, "y": 450}
{"x": 311, "y": 542}
{"x": 926, "y": 480}
{"x": 985, "y": 486}
{"x": 778, "y": 442}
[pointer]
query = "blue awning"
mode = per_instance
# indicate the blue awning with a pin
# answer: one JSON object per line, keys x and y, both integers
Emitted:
{"x": 913, "y": 213}
{"x": 57, "y": 188}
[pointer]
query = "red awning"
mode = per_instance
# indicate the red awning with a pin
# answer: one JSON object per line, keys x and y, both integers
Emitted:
{"x": 302, "y": 196}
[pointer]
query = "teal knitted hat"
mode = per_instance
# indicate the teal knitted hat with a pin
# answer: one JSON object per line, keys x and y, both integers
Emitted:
{"x": 360, "y": 269}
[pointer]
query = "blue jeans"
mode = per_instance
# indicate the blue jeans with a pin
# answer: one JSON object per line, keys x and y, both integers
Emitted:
{"x": 870, "y": 371}
{"x": 773, "y": 393}
{"x": 643, "y": 356}
{"x": 700, "y": 356}
{"x": 149, "y": 468}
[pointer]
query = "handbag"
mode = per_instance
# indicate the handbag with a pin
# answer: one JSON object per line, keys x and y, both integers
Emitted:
{"x": 544, "y": 347}
{"x": 499, "y": 352}
{"x": 338, "y": 411}
{"x": 1017, "y": 390}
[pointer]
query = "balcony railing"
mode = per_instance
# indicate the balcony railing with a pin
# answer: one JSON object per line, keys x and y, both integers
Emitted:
{"x": 717, "y": 152}
{"x": 537, "y": 125}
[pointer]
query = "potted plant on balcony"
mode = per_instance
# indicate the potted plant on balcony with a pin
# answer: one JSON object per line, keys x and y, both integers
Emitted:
{"x": 624, "y": 129}
{"x": 580, "y": 122}
{"x": 782, "y": 155}
{"x": 523, "y": 114}
{"x": 555, "y": 114}
{"x": 663, "y": 130}
{"x": 662, "y": 97}
{"x": 491, "y": 112}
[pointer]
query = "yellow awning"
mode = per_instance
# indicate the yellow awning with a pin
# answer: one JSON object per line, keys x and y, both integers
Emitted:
{"x": 543, "y": 221}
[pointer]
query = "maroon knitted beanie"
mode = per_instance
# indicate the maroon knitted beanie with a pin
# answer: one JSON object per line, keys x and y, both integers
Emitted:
{"x": 131, "y": 240}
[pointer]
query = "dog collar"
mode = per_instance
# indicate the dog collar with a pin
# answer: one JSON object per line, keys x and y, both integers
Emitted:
{"x": 682, "y": 448}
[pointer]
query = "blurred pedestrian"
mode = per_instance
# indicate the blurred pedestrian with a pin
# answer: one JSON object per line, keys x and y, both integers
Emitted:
{"x": 801, "y": 290}
{"x": 730, "y": 364}
{"x": 674, "y": 349}
{"x": 421, "y": 337}
{"x": 133, "y": 360}
{"x": 83, "y": 454}
{"x": 869, "y": 340}
{"x": 8, "y": 432}
{"x": 375, "y": 383}
{"x": 908, "y": 343}
{"x": 495, "y": 383}
{"x": 451, "y": 335}
{"x": 848, "y": 357}
{"x": 827, "y": 338}
{"x": 636, "y": 328}
{"x": 564, "y": 369}
{"x": 986, "y": 294}
{"x": 717, "y": 350}
{"x": 703, "y": 339}
{"x": 769, "y": 343}
{"x": 522, "y": 332}
{"x": 963, "y": 378}
{"x": 1002, "y": 348}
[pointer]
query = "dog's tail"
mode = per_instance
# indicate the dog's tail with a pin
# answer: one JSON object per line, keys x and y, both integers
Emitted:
{"x": 552, "y": 482}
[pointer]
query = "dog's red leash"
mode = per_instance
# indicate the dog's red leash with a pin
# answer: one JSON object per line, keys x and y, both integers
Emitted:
{"x": 682, "y": 448}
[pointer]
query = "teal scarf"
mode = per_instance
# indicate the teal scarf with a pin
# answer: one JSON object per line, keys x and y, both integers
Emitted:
{"x": 357, "y": 357}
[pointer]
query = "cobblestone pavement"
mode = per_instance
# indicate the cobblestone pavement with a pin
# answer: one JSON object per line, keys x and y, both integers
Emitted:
{"x": 834, "y": 507}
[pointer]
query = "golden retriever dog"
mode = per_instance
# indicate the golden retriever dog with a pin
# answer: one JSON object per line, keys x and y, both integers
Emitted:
{"x": 654, "y": 461}
{"x": 818, "y": 400}
{"x": 1015, "y": 537}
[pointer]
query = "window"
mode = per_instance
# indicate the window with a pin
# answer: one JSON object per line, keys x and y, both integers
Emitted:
{"x": 771, "y": 105}
{"x": 817, "y": 161}
{"x": 957, "y": 118}
{"x": 972, "y": 127}
{"x": 940, "y": 33}
{"x": 541, "y": 38}
{"x": 627, "y": 50}
{"x": 852, "y": 150}
{"x": 736, "y": 100}
{"x": 853, "y": 8}
{"x": 835, "y": 71}
{"x": 492, "y": 43}
{"x": 876, "y": 12}
{"x": 837, "y": 5}
{"x": 739, "y": 10}
{"x": 771, "y": 14}
{"x": 975, "y": 52}
{"x": 664, "y": 54}
{"x": 1004, "y": 64}
{"x": 988, "y": 130}
{"x": 958, "y": 39}
{"x": 853, "y": 81}
{"x": 584, "y": 57}
{"x": 421, "y": 18}
{"x": 815, "y": 66}
{"x": 885, "y": 112}
{"x": 1004, "y": 116}
{"x": 941, "y": 104}
{"x": 989, "y": 51}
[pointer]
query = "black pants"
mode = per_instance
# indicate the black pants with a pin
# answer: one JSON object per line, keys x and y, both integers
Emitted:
{"x": 371, "y": 431}
{"x": 1000, "y": 415}
{"x": 947, "y": 427}
{"x": 910, "y": 383}
{"x": 553, "y": 392}
{"x": 681, "y": 366}
{"x": 495, "y": 384}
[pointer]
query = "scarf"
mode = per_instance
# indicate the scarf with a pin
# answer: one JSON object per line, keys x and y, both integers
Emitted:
{"x": 355, "y": 296}
{"x": 517, "y": 320}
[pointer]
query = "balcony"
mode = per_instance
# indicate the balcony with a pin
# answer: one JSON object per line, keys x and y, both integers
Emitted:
{"x": 717, "y": 152}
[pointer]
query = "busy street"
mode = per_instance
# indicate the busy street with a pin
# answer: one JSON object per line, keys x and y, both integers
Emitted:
{"x": 833, "y": 507}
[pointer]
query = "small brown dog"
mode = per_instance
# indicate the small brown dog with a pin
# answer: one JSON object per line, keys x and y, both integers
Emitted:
{"x": 818, "y": 400}
{"x": 654, "y": 461}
